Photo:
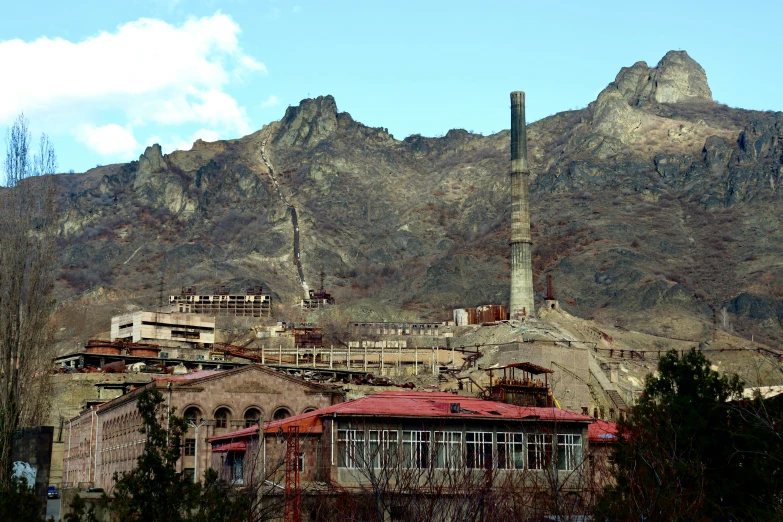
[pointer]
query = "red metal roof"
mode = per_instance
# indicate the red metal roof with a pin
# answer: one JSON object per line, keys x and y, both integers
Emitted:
{"x": 602, "y": 431}
{"x": 240, "y": 445}
{"x": 413, "y": 405}
{"x": 187, "y": 376}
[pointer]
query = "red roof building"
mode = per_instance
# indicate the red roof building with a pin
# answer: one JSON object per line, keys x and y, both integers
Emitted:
{"x": 347, "y": 444}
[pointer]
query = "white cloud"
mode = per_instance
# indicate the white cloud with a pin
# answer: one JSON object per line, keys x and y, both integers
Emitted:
{"x": 272, "y": 101}
{"x": 187, "y": 144}
{"x": 108, "y": 140}
{"x": 147, "y": 71}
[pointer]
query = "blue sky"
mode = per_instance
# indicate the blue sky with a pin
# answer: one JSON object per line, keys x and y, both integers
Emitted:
{"x": 106, "y": 79}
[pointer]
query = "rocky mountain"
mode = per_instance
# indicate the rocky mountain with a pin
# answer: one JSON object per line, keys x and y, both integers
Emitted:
{"x": 654, "y": 208}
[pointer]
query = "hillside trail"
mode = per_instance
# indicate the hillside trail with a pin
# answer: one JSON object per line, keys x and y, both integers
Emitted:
{"x": 294, "y": 219}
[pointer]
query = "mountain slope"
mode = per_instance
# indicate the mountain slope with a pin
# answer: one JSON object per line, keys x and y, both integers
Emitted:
{"x": 651, "y": 207}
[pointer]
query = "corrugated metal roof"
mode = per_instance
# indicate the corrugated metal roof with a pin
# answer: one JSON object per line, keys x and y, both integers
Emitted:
{"x": 186, "y": 377}
{"x": 406, "y": 404}
{"x": 602, "y": 431}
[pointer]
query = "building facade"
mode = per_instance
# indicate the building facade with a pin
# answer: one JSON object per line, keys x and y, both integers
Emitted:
{"x": 105, "y": 439}
{"x": 419, "y": 437}
{"x": 162, "y": 326}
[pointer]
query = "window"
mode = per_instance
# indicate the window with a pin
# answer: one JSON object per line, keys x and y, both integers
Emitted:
{"x": 281, "y": 413}
{"x": 221, "y": 418}
{"x": 189, "y": 474}
{"x": 511, "y": 451}
{"x": 383, "y": 448}
{"x": 539, "y": 450}
{"x": 478, "y": 449}
{"x": 190, "y": 447}
{"x": 192, "y": 414}
{"x": 448, "y": 453}
{"x": 252, "y": 417}
{"x": 234, "y": 461}
{"x": 569, "y": 451}
{"x": 416, "y": 449}
{"x": 350, "y": 448}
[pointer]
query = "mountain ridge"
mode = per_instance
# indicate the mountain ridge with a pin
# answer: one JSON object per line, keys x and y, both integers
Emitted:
{"x": 652, "y": 207}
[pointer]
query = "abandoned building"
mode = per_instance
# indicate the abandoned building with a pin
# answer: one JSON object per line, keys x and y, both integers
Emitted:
{"x": 105, "y": 438}
{"x": 254, "y": 303}
{"x": 383, "y": 328}
{"x": 348, "y": 443}
{"x": 317, "y": 299}
{"x": 159, "y": 327}
{"x": 480, "y": 315}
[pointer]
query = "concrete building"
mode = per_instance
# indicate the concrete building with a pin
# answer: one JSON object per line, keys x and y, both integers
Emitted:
{"x": 162, "y": 326}
{"x": 522, "y": 298}
{"x": 347, "y": 444}
{"x": 105, "y": 438}
{"x": 253, "y": 304}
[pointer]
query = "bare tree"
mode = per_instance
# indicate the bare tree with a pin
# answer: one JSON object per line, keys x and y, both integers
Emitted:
{"x": 27, "y": 261}
{"x": 438, "y": 479}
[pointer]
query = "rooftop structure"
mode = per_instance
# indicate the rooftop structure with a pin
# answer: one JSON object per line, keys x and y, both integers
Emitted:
{"x": 519, "y": 385}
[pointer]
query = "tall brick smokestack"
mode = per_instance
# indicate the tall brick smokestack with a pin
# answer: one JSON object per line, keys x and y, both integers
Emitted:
{"x": 522, "y": 302}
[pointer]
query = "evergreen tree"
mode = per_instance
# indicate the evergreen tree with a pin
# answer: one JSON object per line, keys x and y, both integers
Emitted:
{"x": 688, "y": 451}
{"x": 154, "y": 491}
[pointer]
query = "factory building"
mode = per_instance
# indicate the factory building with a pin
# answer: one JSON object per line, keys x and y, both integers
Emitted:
{"x": 161, "y": 326}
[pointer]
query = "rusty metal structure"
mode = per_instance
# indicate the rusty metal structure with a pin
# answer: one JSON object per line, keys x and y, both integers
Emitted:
{"x": 550, "y": 290}
{"x": 293, "y": 491}
{"x": 308, "y": 337}
{"x": 119, "y": 347}
{"x": 522, "y": 302}
{"x": 491, "y": 314}
{"x": 520, "y": 385}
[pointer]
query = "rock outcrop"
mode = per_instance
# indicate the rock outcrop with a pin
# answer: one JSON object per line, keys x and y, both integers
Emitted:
{"x": 676, "y": 78}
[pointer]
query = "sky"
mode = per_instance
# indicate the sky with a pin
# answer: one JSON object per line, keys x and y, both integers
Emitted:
{"x": 106, "y": 79}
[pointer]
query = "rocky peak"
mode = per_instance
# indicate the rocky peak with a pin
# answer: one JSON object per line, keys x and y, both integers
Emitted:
{"x": 676, "y": 78}
{"x": 152, "y": 160}
{"x": 308, "y": 123}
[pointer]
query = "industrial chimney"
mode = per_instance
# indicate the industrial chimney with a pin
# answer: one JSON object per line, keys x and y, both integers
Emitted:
{"x": 522, "y": 303}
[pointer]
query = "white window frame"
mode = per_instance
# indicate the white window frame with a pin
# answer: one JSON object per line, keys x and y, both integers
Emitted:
{"x": 448, "y": 449}
{"x": 416, "y": 449}
{"x": 569, "y": 451}
{"x": 383, "y": 447}
{"x": 476, "y": 447}
{"x": 350, "y": 448}
{"x": 512, "y": 454}
{"x": 539, "y": 450}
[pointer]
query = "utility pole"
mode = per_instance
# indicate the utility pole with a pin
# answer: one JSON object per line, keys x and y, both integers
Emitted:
{"x": 196, "y": 457}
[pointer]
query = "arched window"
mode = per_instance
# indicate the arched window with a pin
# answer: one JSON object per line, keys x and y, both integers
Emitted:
{"x": 308, "y": 410}
{"x": 281, "y": 413}
{"x": 252, "y": 417}
{"x": 221, "y": 417}
{"x": 192, "y": 414}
